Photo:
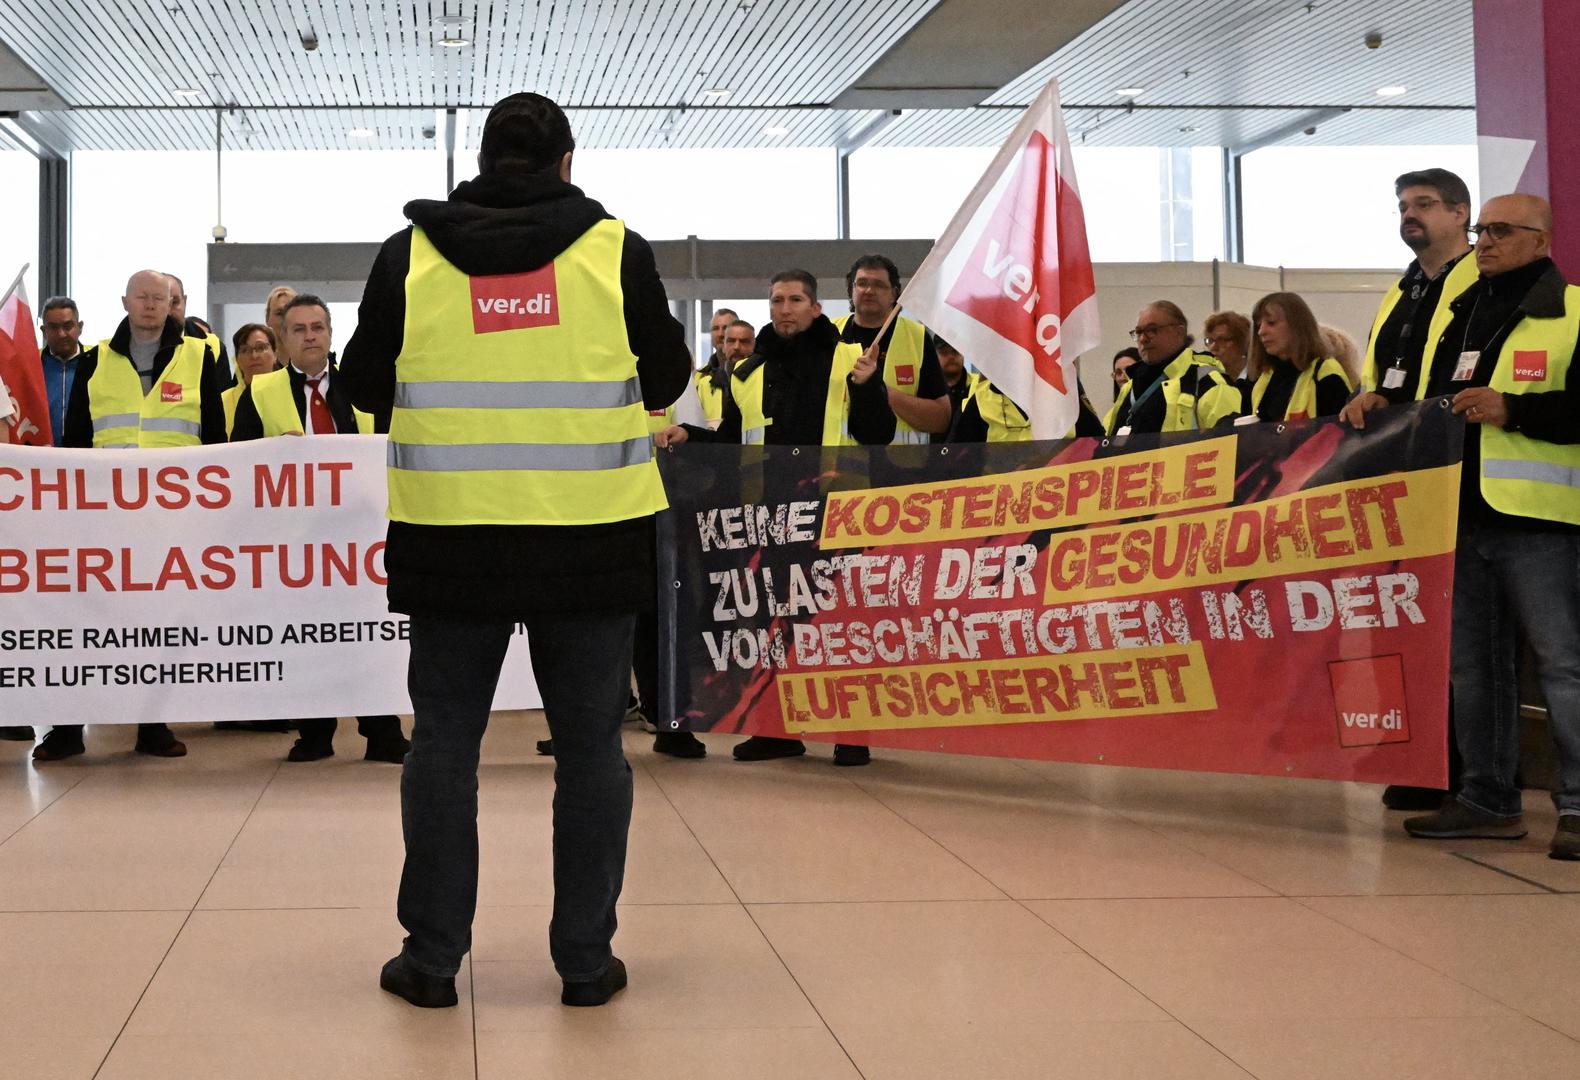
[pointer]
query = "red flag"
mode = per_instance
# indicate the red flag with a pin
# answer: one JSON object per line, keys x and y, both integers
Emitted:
{"x": 24, "y": 405}
{"x": 1009, "y": 283}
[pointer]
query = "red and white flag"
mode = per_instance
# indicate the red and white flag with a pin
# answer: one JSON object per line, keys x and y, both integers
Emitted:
{"x": 1009, "y": 283}
{"x": 24, "y": 405}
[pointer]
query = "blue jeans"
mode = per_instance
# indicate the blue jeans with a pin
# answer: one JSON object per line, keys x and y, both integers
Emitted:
{"x": 582, "y": 664}
{"x": 1509, "y": 581}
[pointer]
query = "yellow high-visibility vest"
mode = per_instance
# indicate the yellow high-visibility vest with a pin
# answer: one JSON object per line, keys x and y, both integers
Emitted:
{"x": 1005, "y": 422}
{"x": 712, "y": 398}
{"x": 748, "y": 394}
{"x": 1303, "y": 398}
{"x": 1461, "y": 277}
{"x": 276, "y": 405}
{"x": 516, "y": 396}
{"x": 228, "y": 398}
{"x": 1521, "y": 475}
{"x": 902, "y": 369}
{"x": 1182, "y": 411}
{"x": 169, "y": 415}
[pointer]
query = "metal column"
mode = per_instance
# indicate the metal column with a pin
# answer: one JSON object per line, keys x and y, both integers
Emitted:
{"x": 54, "y": 226}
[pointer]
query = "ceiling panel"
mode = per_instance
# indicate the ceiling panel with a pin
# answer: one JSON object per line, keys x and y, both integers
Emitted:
{"x": 635, "y": 73}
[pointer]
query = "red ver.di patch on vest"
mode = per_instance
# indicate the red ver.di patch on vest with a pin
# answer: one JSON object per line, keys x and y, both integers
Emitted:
{"x": 1530, "y": 366}
{"x": 905, "y": 374}
{"x": 515, "y": 301}
{"x": 170, "y": 392}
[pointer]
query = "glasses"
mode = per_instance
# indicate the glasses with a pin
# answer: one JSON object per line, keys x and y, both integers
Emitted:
{"x": 1424, "y": 203}
{"x": 1150, "y": 329}
{"x": 1501, "y": 230}
{"x": 1212, "y": 342}
{"x": 261, "y": 347}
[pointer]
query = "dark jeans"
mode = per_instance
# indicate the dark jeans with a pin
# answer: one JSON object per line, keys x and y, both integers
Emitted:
{"x": 142, "y": 729}
{"x": 322, "y": 729}
{"x": 582, "y": 664}
{"x": 1508, "y": 581}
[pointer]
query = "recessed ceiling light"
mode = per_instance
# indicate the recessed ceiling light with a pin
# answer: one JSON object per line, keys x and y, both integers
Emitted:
{"x": 1129, "y": 91}
{"x": 1187, "y": 128}
{"x": 717, "y": 93}
{"x": 187, "y": 91}
{"x": 455, "y": 42}
{"x": 1390, "y": 91}
{"x": 361, "y": 133}
{"x": 775, "y": 132}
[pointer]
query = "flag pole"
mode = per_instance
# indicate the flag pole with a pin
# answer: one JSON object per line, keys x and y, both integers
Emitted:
{"x": 15, "y": 283}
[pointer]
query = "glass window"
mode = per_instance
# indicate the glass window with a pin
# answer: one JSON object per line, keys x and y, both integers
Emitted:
{"x": 19, "y": 238}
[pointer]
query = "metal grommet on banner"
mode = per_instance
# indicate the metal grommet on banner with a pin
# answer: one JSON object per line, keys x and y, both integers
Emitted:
{"x": 943, "y": 451}
{"x": 1103, "y": 443}
{"x": 795, "y": 451}
{"x": 677, "y": 584}
{"x": 1445, "y": 403}
{"x": 1280, "y": 429}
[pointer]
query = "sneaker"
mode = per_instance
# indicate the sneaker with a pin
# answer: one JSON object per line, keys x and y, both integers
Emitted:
{"x": 59, "y": 744}
{"x": 599, "y": 990}
{"x": 1403, "y": 797}
{"x": 1566, "y": 838}
{"x": 681, "y": 744}
{"x": 851, "y": 755}
{"x": 1458, "y": 821}
{"x": 303, "y": 750}
{"x": 763, "y": 748}
{"x": 157, "y": 740}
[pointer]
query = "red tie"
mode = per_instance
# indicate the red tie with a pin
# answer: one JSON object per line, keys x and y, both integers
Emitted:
{"x": 318, "y": 408}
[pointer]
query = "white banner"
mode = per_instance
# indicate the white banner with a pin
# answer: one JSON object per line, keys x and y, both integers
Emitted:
{"x": 241, "y": 582}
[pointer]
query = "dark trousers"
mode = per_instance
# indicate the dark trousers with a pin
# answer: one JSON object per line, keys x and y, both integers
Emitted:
{"x": 142, "y": 729}
{"x": 582, "y": 665}
{"x": 322, "y": 729}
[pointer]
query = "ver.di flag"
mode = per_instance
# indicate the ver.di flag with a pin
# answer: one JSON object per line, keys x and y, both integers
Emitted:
{"x": 1009, "y": 283}
{"x": 24, "y": 406}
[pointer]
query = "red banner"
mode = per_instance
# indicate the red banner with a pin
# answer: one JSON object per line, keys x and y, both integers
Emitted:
{"x": 1259, "y": 600}
{"x": 24, "y": 406}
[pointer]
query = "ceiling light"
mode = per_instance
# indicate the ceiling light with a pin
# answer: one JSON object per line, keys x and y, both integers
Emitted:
{"x": 775, "y": 132}
{"x": 361, "y": 133}
{"x": 1187, "y": 128}
{"x": 1129, "y": 91}
{"x": 1390, "y": 91}
{"x": 455, "y": 42}
{"x": 187, "y": 91}
{"x": 718, "y": 93}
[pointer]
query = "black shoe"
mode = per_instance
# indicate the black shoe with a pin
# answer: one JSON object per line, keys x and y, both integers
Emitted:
{"x": 59, "y": 744}
{"x": 157, "y": 740}
{"x": 1566, "y": 839}
{"x": 682, "y": 744}
{"x": 764, "y": 748}
{"x": 271, "y": 726}
{"x": 422, "y": 990}
{"x": 1403, "y": 797}
{"x": 600, "y": 990}
{"x": 14, "y": 733}
{"x": 546, "y": 747}
{"x": 303, "y": 750}
{"x": 390, "y": 748}
{"x": 1457, "y": 821}
{"x": 851, "y": 755}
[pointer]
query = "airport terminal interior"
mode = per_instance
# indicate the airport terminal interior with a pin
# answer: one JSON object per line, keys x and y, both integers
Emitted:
{"x": 1008, "y": 904}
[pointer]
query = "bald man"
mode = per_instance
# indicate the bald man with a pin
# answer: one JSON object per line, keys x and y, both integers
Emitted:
{"x": 148, "y": 386}
{"x": 1507, "y": 359}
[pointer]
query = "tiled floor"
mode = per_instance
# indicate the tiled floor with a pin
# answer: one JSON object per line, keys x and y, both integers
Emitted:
{"x": 225, "y": 916}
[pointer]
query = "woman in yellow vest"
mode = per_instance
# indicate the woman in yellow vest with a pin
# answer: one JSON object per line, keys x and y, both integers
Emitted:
{"x": 257, "y": 353}
{"x": 1295, "y": 378}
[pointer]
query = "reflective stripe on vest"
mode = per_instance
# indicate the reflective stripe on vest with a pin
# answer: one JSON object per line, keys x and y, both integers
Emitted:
{"x": 1460, "y": 278}
{"x": 906, "y": 348}
{"x": 548, "y": 428}
{"x": 1520, "y": 475}
{"x": 1303, "y": 398}
{"x": 124, "y": 417}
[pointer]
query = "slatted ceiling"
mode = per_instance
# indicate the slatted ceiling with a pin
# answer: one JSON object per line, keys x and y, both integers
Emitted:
{"x": 666, "y": 53}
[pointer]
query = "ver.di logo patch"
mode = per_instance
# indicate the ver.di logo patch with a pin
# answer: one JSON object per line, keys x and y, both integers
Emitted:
{"x": 515, "y": 301}
{"x": 1368, "y": 697}
{"x": 1530, "y": 365}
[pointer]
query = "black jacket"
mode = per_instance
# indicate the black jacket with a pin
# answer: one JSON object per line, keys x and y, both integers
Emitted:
{"x": 248, "y": 425}
{"x": 510, "y": 223}
{"x": 211, "y": 407}
{"x": 795, "y": 392}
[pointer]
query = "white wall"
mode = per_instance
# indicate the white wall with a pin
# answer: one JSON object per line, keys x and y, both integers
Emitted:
{"x": 19, "y": 233}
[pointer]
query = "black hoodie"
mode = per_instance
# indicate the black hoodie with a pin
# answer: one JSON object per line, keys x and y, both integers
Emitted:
{"x": 510, "y": 223}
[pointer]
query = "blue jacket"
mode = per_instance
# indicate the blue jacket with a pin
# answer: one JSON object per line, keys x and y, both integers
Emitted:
{"x": 58, "y": 378}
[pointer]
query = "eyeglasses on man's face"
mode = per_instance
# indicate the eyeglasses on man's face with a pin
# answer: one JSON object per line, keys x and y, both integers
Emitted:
{"x": 1420, "y": 204}
{"x": 1150, "y": 329}
{"x": 1501, "y": 230}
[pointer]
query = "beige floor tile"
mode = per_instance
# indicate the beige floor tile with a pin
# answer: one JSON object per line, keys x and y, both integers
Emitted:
{"x": 1362, "y": 1048}
{"x": 789, "y": 830}
{"x": 78, "y": 974}
{"x": 38, "y": 1055}
{"x": 690, "y": 967}
{"x": 1049, "y": 1049}
{"x": 1365, "y": 981}
{"x": 1274, "y": 924}
{"x": 1519, "y": 950}
{"x": 412, "y": 1052}
{"x": 1559, "y": 874}
{"x": 144, "y": 836}
{"x": 1038, "y": 845}
{"x": 581, "y": 1052}
{"x": 267, "y": 972}
{"x": 25, "y": 791}
{"x": 916, "y": 964}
